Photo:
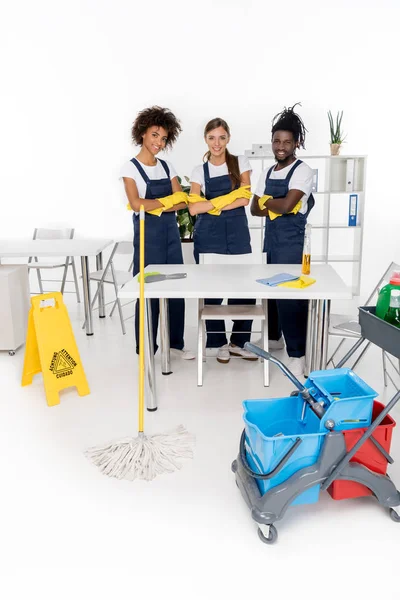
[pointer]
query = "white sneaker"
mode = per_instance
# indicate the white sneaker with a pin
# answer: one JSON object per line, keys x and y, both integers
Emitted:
{"x": 238, "y": 351}
{"x": 297, "y": 366}
{"x": 272, "y": 344}
{"x": 223, "y": 355}
{"x": 184, "y": 354}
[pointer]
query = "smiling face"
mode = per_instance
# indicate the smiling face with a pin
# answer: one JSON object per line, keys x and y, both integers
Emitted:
{"x": 284, "y": 147}
{"x": 217, "y": 140}
{"x": 155, "y": 139}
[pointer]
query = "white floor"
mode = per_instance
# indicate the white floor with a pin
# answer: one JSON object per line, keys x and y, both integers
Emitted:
{"x": 68, "y": 531}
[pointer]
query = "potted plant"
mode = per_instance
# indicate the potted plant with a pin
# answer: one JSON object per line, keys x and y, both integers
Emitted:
{"x": 186, "y": 225}
{"x": 185, "y": 220}
{"x": 337, "y": 136}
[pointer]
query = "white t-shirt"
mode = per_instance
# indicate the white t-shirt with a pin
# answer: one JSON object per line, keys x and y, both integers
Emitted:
{"x": 156, "y": 172}
{"x": 216, "y": 171}
{"x": 301, "y": 179}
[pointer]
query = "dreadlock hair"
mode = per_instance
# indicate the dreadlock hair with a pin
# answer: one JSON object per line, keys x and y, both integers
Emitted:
{"x": 232, "y": 161}
{"x": 155, "y": 116}
{"x": 288, "y": 120}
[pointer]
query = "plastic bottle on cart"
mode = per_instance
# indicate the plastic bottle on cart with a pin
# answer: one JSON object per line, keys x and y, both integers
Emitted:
{"x": 383, "y": 301}
{"x": 306, "y": 264}
{"x": 393, "y": 313}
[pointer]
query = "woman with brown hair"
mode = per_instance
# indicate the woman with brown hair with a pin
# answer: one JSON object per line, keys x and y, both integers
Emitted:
{"x": 221, "y": 225}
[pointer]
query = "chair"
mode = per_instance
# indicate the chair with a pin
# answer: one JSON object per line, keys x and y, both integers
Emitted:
{"x": 115, "y": 277}
{"x": 347, "y": 327}
{"x": 54, "y": 234}
{"x": 237, "y": 312}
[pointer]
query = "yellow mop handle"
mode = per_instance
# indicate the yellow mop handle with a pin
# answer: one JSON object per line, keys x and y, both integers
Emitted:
{"x": 141, "y": 322}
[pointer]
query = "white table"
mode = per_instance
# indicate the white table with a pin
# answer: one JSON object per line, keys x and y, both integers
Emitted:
{"x": 75, "y": 247}
{"x": 239, "y": 281}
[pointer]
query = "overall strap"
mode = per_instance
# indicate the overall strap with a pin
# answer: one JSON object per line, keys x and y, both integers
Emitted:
{"x": 141, "y": 170}
{"x": 165, "y": 166}
{"x": 269, "y": 172}
{"x": 206, "y": 171}
{"x": 292, "y": 170}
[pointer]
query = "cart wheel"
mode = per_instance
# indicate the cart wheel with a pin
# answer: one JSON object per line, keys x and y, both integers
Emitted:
{"x": 273, "y": 535}
{"x": 11, "y": 352}
{"x": 394, "y": 516}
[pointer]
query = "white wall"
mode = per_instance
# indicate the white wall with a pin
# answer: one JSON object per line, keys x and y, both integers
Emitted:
{"x": 75, "y": 74}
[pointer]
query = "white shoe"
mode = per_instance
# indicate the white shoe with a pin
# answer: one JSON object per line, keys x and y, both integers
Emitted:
{"x": 184, "y": 354}
{"x": 223, "y": 355}
{"x": 238, "y": 351}
{"x": 272, "y": 344}
{"x": 297, "y": 366}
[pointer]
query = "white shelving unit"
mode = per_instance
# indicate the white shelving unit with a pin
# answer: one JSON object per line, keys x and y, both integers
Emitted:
{"x": 334, "y": 241}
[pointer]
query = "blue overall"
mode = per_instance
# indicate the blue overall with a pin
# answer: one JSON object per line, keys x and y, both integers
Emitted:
{"x": 227, "y": 233}
{"x": 283, "y": 242}
{"x": 162, "y": 245}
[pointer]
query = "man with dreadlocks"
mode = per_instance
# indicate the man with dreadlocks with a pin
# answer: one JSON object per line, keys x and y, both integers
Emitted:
{"x": 283, "y": 196}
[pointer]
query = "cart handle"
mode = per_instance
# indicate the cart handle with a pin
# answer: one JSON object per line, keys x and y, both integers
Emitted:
{"x": 305, "y": 394}
{"x": 278, "y": 467}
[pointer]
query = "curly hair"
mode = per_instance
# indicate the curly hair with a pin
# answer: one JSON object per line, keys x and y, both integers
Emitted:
{"x": 155, "y": 116}
{"x": 288, "y": 120}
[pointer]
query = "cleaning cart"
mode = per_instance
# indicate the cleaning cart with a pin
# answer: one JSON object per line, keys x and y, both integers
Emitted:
{"x": 329, "y": 432}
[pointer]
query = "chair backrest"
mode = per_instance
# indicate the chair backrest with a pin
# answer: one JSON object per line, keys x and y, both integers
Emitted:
{"x": 255, "y": 258}
{"x": 124, "y": 247}
{"x": 41, "y": 233}
{"x": 383, "y": 281}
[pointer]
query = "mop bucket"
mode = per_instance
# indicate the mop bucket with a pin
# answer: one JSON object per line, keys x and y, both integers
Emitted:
{"x": 368, "y": 455}
{"x": 282, "y": 436}
{"x": 347, "y": 399}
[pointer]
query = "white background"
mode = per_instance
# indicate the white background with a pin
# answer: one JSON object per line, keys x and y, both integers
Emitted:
{"x": 74, "y": 75}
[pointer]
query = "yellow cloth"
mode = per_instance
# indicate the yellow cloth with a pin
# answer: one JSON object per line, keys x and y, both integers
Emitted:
{"x": 221, "y": 201}
{"x": 272, "y": 215}
{"x": 302, "y": 282}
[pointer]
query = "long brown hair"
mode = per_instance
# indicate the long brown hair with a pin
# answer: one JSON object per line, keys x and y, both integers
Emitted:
{"x": 232, "y": 161}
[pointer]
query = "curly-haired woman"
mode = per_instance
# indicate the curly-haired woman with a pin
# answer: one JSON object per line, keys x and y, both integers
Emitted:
{"x": 153, "y": 183}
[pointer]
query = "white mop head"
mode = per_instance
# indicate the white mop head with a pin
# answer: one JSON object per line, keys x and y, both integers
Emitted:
{"x": 143, "y": 457}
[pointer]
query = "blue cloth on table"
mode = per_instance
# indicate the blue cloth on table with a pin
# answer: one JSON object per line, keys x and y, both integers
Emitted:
{"x": 277, "y": 279}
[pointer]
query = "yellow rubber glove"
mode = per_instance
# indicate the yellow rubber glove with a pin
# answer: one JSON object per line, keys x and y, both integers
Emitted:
{"x": 175, "y": 198}
{"x": 168, "y": 202}
{"x": 302, "y": 282}
{"x": 263, "y": 200}
{"x": 272, "y": 215}
{"x": 221, "y": 201}
{"x": 193, "y": 198}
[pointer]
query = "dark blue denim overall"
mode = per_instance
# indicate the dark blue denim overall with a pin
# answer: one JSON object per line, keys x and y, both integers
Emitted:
{"x": 283, "y": 242}
{"x": 227, "y": 233}
{"x": 162, "y": 245}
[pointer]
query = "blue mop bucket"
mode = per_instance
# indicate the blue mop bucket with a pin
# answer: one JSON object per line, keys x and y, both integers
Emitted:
{"x": 348, "y": 400}
{"x": 272, "y": 427}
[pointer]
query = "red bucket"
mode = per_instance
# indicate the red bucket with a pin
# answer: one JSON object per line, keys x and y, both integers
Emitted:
{"x": 368, "y": 455}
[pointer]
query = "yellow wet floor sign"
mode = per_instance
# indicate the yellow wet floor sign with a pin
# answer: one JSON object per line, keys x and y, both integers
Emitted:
{"x": 51, "y": 348}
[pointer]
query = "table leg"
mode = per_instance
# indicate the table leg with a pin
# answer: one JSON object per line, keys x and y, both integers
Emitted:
{"x": 100, "y": 286}
{"x": 86, "y": 295}
{"x": 264, "y": 327}
{"x": 325, "y": 333}
{"x": 164, "y": 336}
{"x": 151, "y": 397}
{"x": 320, "y": 337}
{"x": 310, "y": 337}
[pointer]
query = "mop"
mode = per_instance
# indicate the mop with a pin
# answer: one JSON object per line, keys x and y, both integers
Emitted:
{"x": 143, "y": 457}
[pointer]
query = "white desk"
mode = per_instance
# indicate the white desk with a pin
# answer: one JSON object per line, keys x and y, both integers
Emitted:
{"x": 75, "y": 247}
{"x": 239, "y": 281}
